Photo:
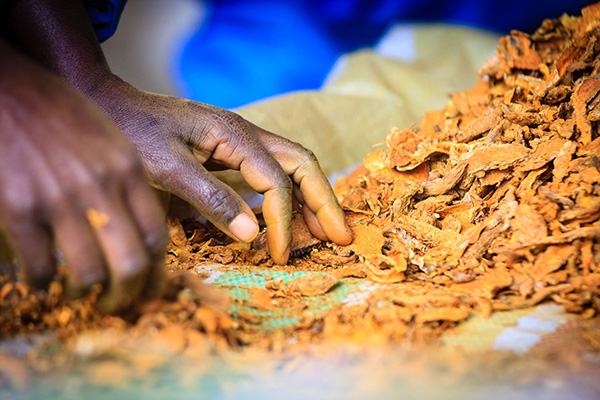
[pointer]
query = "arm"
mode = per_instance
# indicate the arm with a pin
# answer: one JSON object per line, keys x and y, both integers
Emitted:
{"x": 180, "y": 140}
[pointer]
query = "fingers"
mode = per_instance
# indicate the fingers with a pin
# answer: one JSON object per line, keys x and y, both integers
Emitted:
{"x": 266, "y": 162}
{"x": 309, "y": 216}
{"x": 37, "y": 261}
{"x": 320, "y": 199}
{"x": 124, "y": 252}
{"x": 313, "y": 224}
{"x": 236, "y": 146}
{"x": 264, "y": 174}
{"x": 189, "y": 180}
{"x": 150, "y": 220}
{"x": 102, "y": 243}
{"x": 277, "y": 211}
{"x": 81, "y": 253}
{"x": 315, "y": 190}
{"x": 128, "y": 223}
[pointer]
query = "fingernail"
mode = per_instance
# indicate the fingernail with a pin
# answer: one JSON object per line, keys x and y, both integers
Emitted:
{"x": 349, "y": 237}
{"x": 243, "y": 227}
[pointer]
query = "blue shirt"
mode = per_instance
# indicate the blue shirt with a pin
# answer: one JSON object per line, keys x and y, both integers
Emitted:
{"x": 246, "y": 50}
{"x": 105, "y": 15}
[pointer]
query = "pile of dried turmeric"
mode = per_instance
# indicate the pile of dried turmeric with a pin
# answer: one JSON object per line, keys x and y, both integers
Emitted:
{"x": 497, "y": 196}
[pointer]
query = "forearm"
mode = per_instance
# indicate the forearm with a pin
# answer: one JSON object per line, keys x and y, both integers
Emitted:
{"x": 59, "y": 35}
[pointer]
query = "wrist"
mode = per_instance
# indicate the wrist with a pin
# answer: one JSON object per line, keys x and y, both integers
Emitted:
{"x": 115, "y": 97}
{"x": 94, "y": 84}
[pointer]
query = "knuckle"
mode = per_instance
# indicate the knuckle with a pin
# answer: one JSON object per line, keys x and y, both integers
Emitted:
{"x": 63, "y": 196}
{"x": 226, "y": 121}
{"x": 308, "y": 157}
{"x": 233, "y": 118}
{"x": 60, "y": 200}
{"x": 163, "y": 172}
{"x": 156, "y": 239}
{"x": 283, "y": 182}
{"x": 17, "y": 206}
{"x": 89, "y": 274}
{"x": 166, "y": 176}
{"x": 19, "y": 210}
{"x": 222, "y": 203}
{"x": 97, "y": 175}
{"x": 133, "y": 267}
{"x": 97, "y": 178}
{"x": 127, "y": 164}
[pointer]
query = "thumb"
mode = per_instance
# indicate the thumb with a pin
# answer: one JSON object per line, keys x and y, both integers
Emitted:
{"x": 216, "y": 201}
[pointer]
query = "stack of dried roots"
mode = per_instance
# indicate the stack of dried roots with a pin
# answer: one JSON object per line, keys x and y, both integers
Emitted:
{"x": 498, "y": 194}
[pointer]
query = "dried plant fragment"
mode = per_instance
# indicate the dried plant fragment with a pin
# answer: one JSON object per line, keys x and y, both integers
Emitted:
{"x": 312, "y": 285}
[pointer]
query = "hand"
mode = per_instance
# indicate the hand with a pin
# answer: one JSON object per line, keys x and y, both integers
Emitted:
{"x": 179, "y": 141}
{"x": 68, "y": 176}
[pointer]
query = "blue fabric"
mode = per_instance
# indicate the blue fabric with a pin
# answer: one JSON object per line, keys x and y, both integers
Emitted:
{"x": 105, "y": 15}
{"x": 247, "y": 50}
{"x": 251, "y": 49}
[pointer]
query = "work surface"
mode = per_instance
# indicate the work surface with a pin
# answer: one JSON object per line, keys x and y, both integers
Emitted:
{"x": 324, "y": 326}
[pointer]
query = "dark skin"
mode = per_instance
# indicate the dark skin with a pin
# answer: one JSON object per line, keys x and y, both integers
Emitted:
{"x": 177, "y": 141}
{"x": 60, "y": 158}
